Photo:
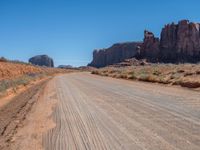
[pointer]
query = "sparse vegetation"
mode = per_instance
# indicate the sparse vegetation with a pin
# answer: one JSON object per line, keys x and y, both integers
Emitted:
{"x": 23, "y": 80}
{"x": 15, "y": 73}
{"x": 186, "y": 75}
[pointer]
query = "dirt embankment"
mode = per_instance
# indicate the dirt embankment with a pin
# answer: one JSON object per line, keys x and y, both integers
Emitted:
{"x": 20, "y": 87}
{"x": 13, "y": 114}
{"x": 13, "y": 75}
{"x": 9, "y": 70}
{"x": 186, "y": 75}
{"x": 13, "y": 70}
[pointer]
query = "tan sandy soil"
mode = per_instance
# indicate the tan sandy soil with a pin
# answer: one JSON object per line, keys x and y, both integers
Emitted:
{"x": 13, "y": 113}
{"x": 29, "y": 136}
{"x": 10, "y": 93}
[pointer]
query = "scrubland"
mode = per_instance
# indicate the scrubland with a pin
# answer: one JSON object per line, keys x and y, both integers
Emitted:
{"x": 186, "y": 75}
{"x": 13, "y": 74}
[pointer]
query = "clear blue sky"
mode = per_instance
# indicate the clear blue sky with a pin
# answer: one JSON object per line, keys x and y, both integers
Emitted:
{"x": 69, "y": 30}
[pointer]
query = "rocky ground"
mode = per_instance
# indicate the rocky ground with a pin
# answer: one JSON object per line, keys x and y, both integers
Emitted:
{"x": 186, "y": 75}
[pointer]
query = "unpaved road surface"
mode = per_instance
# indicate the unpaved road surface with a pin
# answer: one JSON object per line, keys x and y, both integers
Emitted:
{"x": 100, "y": 113}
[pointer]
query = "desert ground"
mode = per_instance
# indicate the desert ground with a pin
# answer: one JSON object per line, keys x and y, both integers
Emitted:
{"x": 85, "y": 111}
{"x": 99, "y": 75}
{"x": 185, "y": 75}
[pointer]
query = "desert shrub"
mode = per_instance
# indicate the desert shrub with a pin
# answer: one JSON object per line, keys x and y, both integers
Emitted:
{"x": 143, "y": 77}
{"x": 156, "y": 72}
{"x": 33, "y": 75}
{"x": 148, "y": 77}
{"x": 115, "y": 75}
{"x": 106, "y": 74}
{"x": 175, "y": 76}
{"x": 111, "y": 71}
{"x": 95, "y": 72}
{"x": 132, "y": 75}
{"x": 143, "y": 71}
{"x": 104, "y": 71}
{"x": 124, "y": 76}
{"x": 4, "y": 84}
{"x": 163, "y": 80}
{"x": 172, "y": 77}
{"x": 198, "y": 72}
{"x": 23, "y": 80}
{"x": 181, "y": 71}
{"x": 41, "y": 75}
{"x": 188, "y": 74}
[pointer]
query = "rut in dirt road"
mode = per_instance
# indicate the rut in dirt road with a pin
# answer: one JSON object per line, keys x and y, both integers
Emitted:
{"x": 98, "y": 113}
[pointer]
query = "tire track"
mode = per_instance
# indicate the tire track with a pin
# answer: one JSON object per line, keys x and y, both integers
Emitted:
{"x": 105, "y": 114}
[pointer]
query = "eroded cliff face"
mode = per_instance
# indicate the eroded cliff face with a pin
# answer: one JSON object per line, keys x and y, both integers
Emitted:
{"x": 150, "y": 47}
{"x": 178, "y": 43}
{"x": 115, "y": 54}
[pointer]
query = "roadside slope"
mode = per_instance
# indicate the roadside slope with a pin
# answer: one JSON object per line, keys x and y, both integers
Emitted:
{"x": 15, "y": 74}
{"x": 15, "y": 112}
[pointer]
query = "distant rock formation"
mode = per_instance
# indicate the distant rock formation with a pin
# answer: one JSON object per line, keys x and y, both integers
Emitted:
{"x": 65, "y": 67}
{"x": 115, "y": 54}
{"x": 42, "y": 60}
{"x": 150, "y": 47}
{"x": 131, "y": 62}
{"x": 180, "y": 42}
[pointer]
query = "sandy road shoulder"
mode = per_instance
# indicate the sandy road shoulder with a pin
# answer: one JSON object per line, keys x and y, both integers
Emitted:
{"x": 37, "y": 122}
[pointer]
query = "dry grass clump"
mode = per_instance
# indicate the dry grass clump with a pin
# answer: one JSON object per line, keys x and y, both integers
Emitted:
{"x": 23, "y": 80}
{"x": 186, "y": 75}
{"x": 13, "y": 74}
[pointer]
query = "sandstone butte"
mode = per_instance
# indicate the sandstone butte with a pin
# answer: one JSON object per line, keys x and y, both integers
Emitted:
{"x": 178, "y": 43}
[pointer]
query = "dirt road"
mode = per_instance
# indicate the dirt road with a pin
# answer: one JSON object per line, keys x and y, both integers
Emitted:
{"x": 100, "y": 113}
{"x": 80, "y": 111}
